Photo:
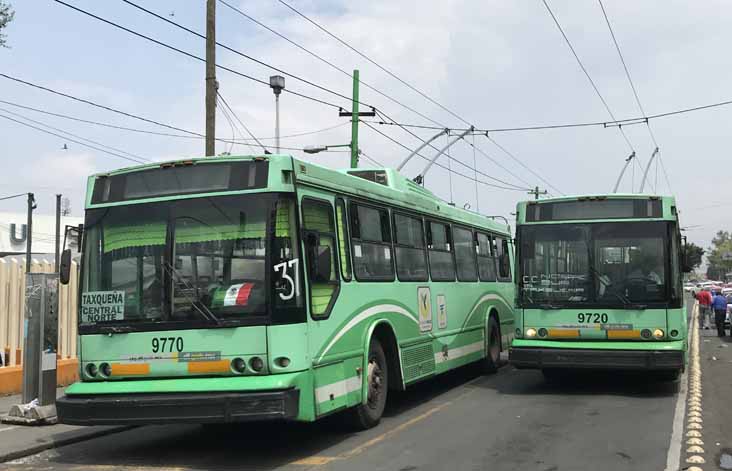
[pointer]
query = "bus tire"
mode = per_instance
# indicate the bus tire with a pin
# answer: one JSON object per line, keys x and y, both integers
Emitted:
{"x": 365, "y": 416}
{"x": 492, "y": 357}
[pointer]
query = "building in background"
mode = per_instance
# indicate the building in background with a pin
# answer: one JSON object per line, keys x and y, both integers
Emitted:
{"x": 14, "y": 233}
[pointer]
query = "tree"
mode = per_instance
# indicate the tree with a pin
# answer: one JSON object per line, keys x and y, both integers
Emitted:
{"x": 694, "y": 254}
{"x": 6, "y": 16}
{"x": 720, "y": 256}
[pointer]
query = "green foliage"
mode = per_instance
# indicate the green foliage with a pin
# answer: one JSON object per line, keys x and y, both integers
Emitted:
{"x": 720, "y": 256}
{"x": 6, "y": 16}
{"x": 695, "y": 253}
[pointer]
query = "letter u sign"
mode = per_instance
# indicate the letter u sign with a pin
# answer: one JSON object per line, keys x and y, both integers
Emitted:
{"x": 14, "y": 239}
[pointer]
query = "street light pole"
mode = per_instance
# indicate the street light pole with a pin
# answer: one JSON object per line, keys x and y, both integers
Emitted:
{"x": 277, "y": 83}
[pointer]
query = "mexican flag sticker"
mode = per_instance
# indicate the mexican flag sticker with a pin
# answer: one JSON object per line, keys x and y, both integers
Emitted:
{"x": 238, "y": 295}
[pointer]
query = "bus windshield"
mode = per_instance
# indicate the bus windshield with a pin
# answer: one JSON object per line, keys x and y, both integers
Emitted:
{"x": 610, "y": 264}
{"x": 200, "y": 259}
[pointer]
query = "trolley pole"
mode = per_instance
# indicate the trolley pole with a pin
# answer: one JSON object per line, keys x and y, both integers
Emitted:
{"x": 211, "y": 84}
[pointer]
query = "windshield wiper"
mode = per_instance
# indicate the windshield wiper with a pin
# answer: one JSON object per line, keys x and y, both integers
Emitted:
{"x": 549, "y": 306}
{"x": 204, "y": 311}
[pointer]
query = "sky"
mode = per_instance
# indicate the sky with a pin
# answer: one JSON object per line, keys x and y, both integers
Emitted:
{"x": 494, "y": 64}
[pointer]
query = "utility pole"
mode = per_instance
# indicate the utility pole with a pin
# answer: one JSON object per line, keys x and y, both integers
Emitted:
{"x": 536, "y": 192}
{"x": 58, "y": 233}
{"x": 355, "y": 115}
{"x": 211, "y": 84}
{"x": 31, "y": 352}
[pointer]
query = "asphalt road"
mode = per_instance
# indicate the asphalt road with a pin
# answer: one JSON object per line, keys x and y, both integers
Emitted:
{"x": 514, "y": 420}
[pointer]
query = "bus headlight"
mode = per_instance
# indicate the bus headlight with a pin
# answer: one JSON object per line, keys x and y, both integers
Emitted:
{"x": 531, "y": 332}
{"x": 105, "y": 370}
{"x": 658, "y": 334}
{"x": 238, "y": 365}
{"x": 543, "y": 332}
{"x": 646, "y": 333}
{"x": 674, "y": 333}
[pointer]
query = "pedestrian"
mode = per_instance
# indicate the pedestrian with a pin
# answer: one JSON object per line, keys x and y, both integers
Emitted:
{"x": 720, "y": 311}
{"x": 705, "y": 304}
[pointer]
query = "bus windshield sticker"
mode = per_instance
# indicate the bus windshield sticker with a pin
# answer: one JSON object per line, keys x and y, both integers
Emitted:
{"x": 101, "y": 306}
{"x": 441, "y": 311}
{"x": 357, "y": 250}
{"x": 387, "y": 253}
{"x": 424, "y": 300}
{"x": 617, "y": 327}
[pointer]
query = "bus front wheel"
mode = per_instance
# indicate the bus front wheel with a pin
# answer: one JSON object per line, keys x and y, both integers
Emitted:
{"x": 365, "y": 416}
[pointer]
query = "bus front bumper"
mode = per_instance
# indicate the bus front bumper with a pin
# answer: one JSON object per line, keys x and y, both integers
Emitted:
{"x": 539, "y": 358}
{"x": 166, "y": 408}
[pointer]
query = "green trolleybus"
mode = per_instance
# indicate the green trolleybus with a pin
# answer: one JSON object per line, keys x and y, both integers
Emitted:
{"x": 251, "y": 288}
{"x": 599, "y": 285}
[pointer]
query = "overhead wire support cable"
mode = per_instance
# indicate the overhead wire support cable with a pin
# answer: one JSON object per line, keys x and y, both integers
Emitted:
{"x": 587, "y": 74}
{"x": 13, "y": 196}
{"x": 192, "y": 56}
{"x": 70, "y": 139}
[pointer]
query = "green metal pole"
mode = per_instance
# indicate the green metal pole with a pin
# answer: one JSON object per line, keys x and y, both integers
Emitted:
{"x": 354, "y": 122}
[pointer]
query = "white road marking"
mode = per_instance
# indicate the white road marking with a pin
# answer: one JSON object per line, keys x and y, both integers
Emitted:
{"x": 674, "y": 449}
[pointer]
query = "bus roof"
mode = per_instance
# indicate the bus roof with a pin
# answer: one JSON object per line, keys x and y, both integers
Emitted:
{"x": 588, "y": 208}
{"x": 384, "y": 185}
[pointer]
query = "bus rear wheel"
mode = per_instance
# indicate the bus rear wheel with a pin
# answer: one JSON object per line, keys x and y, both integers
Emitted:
{"x": 492, "y": 347}
{"x": 365, "y": 416}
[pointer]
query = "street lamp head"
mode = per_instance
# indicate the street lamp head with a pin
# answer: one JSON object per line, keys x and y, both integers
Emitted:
{"x": 277, "y": 83}
{"x": 314, "y": 149}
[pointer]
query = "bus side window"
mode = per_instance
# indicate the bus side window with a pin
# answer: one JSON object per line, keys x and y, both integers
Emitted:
{"x": 320, "y": 244}
{"x": 465, "y": 254}
{"x": 411, "y": 258}
{"x": 371, "y": 241}
{"x": 342, "y": 229}
{"x": 486, "y": 261}
{"x": 504, "y": 260}
{"x": 439, "y": 243}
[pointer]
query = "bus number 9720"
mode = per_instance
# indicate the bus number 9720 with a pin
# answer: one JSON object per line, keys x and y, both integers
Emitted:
{"x": 592, "y": 317}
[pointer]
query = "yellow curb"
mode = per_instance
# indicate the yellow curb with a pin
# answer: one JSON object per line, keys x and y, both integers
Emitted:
{"x": 694, "y": 441}
{"x": 697, "y": 420}
{"x": 695, "y": 459}
{"x": 693, "y": 433}
{"x": 695, "y": 449}
{"x": 694, "y": 426}
{"x": 694, "y": 413}
{"x": 694, "y": 468}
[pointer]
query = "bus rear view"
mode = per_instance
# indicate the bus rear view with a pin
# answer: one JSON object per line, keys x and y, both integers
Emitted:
{"x": 600, "y": 285}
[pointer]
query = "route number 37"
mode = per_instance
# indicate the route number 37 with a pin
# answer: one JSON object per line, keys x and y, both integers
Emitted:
{"x": 289, "y": 275}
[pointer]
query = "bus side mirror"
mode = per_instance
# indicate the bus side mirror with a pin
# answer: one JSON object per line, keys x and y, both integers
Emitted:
{"x": 64, "y": 267}
{"x": 324, "y": 263}
{"x": 685, "y": 259}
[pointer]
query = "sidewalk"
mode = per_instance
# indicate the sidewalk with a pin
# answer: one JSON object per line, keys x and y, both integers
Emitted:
{"x": 716, "y": 364}
{"x": 17, "y": 441}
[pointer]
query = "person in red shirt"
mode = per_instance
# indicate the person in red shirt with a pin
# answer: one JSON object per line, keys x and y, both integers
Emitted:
{"x": 705, "y": 301}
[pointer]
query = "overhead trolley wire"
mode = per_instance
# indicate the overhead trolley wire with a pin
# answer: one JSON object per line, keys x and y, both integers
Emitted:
{"x": 241, "y": 54}
{"x": 326, "y": 61}
{"x": 424, "y": 95}
{"x": 336, "y": 67}
{"x": 146, "y": 131}
{"x": 240, "y": 122}
{"x": 129, "y": 154}
{"x": 587, "y": 74}
{"x": 193, "y": 56}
